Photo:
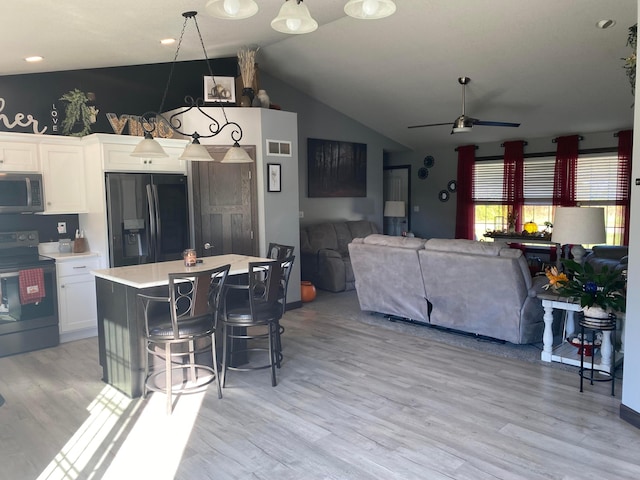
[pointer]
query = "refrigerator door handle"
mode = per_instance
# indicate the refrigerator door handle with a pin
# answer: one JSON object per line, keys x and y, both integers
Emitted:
{"x": 158, "y": 224}
{"x": 152, "y": 223}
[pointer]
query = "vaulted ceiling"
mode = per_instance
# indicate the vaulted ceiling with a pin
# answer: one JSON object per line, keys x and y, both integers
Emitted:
{"x": 540, "y": 63}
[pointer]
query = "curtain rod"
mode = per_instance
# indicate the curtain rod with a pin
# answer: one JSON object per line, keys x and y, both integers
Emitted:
{"x": 524, "y": 144}
{"x": 476, "y": 147}
{"x": 555, "y": 140}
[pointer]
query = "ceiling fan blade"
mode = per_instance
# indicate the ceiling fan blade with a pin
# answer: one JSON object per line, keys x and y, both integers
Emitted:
{"x": 429, "y": 125}
{"x": 495, "y": 124}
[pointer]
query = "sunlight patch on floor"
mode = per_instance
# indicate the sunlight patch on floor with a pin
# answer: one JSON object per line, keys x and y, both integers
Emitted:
{"x": 108, "y": 440}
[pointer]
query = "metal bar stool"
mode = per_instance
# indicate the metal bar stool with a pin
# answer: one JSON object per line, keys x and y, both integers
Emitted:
{"x": 593, "y": 325}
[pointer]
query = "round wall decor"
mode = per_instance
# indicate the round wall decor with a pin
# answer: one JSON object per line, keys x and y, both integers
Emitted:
{"x": 443, "y": 195}
{"x": 423, "y": 173}
{"x": 429, "y": 161}
{"x": 452, "y": 186}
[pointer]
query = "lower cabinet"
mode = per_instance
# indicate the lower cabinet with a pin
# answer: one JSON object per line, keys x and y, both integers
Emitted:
{"x": 77, "y": 297}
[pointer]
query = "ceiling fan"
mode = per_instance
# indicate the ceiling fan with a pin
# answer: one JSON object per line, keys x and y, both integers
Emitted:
{"x": 464, "y": 123}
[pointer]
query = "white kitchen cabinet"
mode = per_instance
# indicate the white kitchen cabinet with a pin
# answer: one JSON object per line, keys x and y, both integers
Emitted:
{"x": 63, "y": 173}
{"x": 18, "y": 156}
{"x": 117, "y": 158}
{"x": 76, "y": 296}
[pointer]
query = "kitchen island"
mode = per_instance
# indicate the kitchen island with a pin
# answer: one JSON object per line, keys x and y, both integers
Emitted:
{"x": 121, "y": 319}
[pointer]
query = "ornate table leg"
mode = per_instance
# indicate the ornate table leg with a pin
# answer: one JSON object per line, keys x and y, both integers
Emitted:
{"x": 547, "y": 336}
{"x": 605, "y": 351}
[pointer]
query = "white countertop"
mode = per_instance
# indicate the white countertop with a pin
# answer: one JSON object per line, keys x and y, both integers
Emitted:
{"x": 157, "y": 274}
{"x": 62, "y": 257}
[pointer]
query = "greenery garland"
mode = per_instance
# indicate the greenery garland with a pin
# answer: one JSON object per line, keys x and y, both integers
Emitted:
{"x": 630, "y": 61}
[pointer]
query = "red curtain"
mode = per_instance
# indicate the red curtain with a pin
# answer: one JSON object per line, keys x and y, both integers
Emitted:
{"x": 625, "y": 148}
{"x": 513, "y": 180}
{"x": 564, "y": 179}
{"x": 464, "y": 208}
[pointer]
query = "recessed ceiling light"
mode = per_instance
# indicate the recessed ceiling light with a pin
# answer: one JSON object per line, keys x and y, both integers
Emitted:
{"x": 168, "y": 41}
{"x": 604, "y": 24}
{"x": 35, "y": 58}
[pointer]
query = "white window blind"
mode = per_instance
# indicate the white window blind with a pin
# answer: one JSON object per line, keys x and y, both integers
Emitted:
{"x": 487, "y": 181}
{"x": 597, "y": 179}
{"x": 538, "y": 180}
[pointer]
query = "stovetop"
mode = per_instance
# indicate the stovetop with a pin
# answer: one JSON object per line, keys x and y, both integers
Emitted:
{"x": 20, "y": 250}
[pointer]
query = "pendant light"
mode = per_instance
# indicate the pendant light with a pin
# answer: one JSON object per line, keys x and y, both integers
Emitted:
{"x": 150, "y": 148}
{"x": 231, "y": 9}
{"x": 294, "y": 18}
{"x": 369, "y": 9}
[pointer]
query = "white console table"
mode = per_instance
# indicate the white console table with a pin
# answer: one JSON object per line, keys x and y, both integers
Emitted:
{"x": 565, "y": 352}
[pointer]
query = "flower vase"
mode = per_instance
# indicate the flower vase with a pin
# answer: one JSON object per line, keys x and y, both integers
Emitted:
{"x": 247, "y": 97}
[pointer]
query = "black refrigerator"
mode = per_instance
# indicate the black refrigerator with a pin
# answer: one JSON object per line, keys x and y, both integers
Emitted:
{"x": 148, "y": 217}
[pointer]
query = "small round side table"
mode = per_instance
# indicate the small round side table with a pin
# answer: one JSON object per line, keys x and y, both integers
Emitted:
{"x": 593, "y": 325}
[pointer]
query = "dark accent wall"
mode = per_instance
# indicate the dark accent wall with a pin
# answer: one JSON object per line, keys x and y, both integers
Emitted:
{"x": 46, "y": 225}
{"x": 121, "y": 90}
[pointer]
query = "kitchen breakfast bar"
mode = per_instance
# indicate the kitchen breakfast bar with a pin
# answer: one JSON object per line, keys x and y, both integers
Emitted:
{"x": 120, "y": 316}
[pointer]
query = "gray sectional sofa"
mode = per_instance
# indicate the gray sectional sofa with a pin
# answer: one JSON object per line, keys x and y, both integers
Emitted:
{"x": 324, "y": 252}
{"x": 483, "y": 288}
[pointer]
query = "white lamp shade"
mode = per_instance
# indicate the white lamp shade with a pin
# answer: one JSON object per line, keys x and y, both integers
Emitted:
{"x": 196, "y": 153}
{"x": 236, "y": 154}
{"x": 231, "y": 9}
{"x": 294, "y": 18}
{"x": 394, "y": 208}
{"x": 369, "y": 9}
{"x": 578, "y": 226}
{"x": 149, "y": 148}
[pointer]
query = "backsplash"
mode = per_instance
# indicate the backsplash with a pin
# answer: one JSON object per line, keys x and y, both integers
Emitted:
{"x": 46, "y": 225}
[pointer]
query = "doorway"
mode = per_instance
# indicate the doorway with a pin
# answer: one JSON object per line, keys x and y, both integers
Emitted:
{"x": 224, "y": 204}
{"x": 397, "y": 187}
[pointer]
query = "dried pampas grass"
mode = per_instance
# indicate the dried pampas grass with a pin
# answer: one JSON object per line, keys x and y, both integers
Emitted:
{"x": 247, "y": 63}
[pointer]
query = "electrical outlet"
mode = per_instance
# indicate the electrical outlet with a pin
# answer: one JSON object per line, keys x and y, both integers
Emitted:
{"x": 62, "y": 227}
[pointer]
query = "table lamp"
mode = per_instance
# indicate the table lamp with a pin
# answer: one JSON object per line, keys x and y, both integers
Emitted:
{"x": 577, "y": 226}
{"x": 394, "y": 209}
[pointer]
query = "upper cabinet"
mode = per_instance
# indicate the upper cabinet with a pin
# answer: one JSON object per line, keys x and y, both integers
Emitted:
{"x": 18, "y": 156}
{"x": 63, "y": 172}
{"x": 117, "y": 156}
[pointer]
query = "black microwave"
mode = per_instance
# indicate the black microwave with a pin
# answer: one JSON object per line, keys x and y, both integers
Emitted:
{"x": 21, "y": 193}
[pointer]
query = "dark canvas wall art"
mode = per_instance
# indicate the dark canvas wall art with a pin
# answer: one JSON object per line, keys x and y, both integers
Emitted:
{"x": 336, "y": 169}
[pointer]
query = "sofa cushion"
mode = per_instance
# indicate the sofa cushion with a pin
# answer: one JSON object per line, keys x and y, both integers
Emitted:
{"x": 343, "y": 237}
{"x": 402, "y": 242}
{"x": 471, "y": 247}
{"x": 322, "y": 236}
{"x": 361, "y": 228}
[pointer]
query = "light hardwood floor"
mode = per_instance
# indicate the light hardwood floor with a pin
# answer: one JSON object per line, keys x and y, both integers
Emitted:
{"x": 354, "y": 401}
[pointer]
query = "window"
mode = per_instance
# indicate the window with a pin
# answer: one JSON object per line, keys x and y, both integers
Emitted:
{"x": 597, "y": 185}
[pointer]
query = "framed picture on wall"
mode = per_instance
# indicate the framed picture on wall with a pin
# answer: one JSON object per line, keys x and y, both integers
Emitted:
{"x": 222, "y": 90}
{"x": 274, "y": 181}
{"x": 336, "y": 169}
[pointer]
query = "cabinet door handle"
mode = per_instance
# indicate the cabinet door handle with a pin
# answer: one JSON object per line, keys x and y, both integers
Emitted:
{"x": 76, "y": 268}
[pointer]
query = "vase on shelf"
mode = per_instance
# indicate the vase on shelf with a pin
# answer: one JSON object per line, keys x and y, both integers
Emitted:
{"x": 248, "y": 95}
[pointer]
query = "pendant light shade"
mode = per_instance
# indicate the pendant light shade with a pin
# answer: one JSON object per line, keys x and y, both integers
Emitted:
{"x": 231, "y": 9}
{"x": 294, "y": 18}
{"x": 369, "y": 9}
{"x": 149, "y": 148}
{"x": 196, "y": 152}
{"x": 236, "y": 154}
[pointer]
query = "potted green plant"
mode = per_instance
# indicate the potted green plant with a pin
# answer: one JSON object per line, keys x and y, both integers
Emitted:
{"x": 600, "y": 293}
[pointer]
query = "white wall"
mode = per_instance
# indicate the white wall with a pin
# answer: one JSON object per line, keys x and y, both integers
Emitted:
{"x": 631, "y": 375}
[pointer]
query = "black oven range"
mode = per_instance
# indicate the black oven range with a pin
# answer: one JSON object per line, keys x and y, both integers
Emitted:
{"x": 28, "y": 295}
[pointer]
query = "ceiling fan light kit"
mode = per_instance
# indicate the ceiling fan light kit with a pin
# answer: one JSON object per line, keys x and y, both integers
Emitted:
{"x": 465, "y": 123}
{"x": 294, "y": 18}
{"x": 231, "y": 9}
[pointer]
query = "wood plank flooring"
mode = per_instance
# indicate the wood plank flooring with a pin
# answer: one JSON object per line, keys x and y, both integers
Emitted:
{"x": 354, "y": 401}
